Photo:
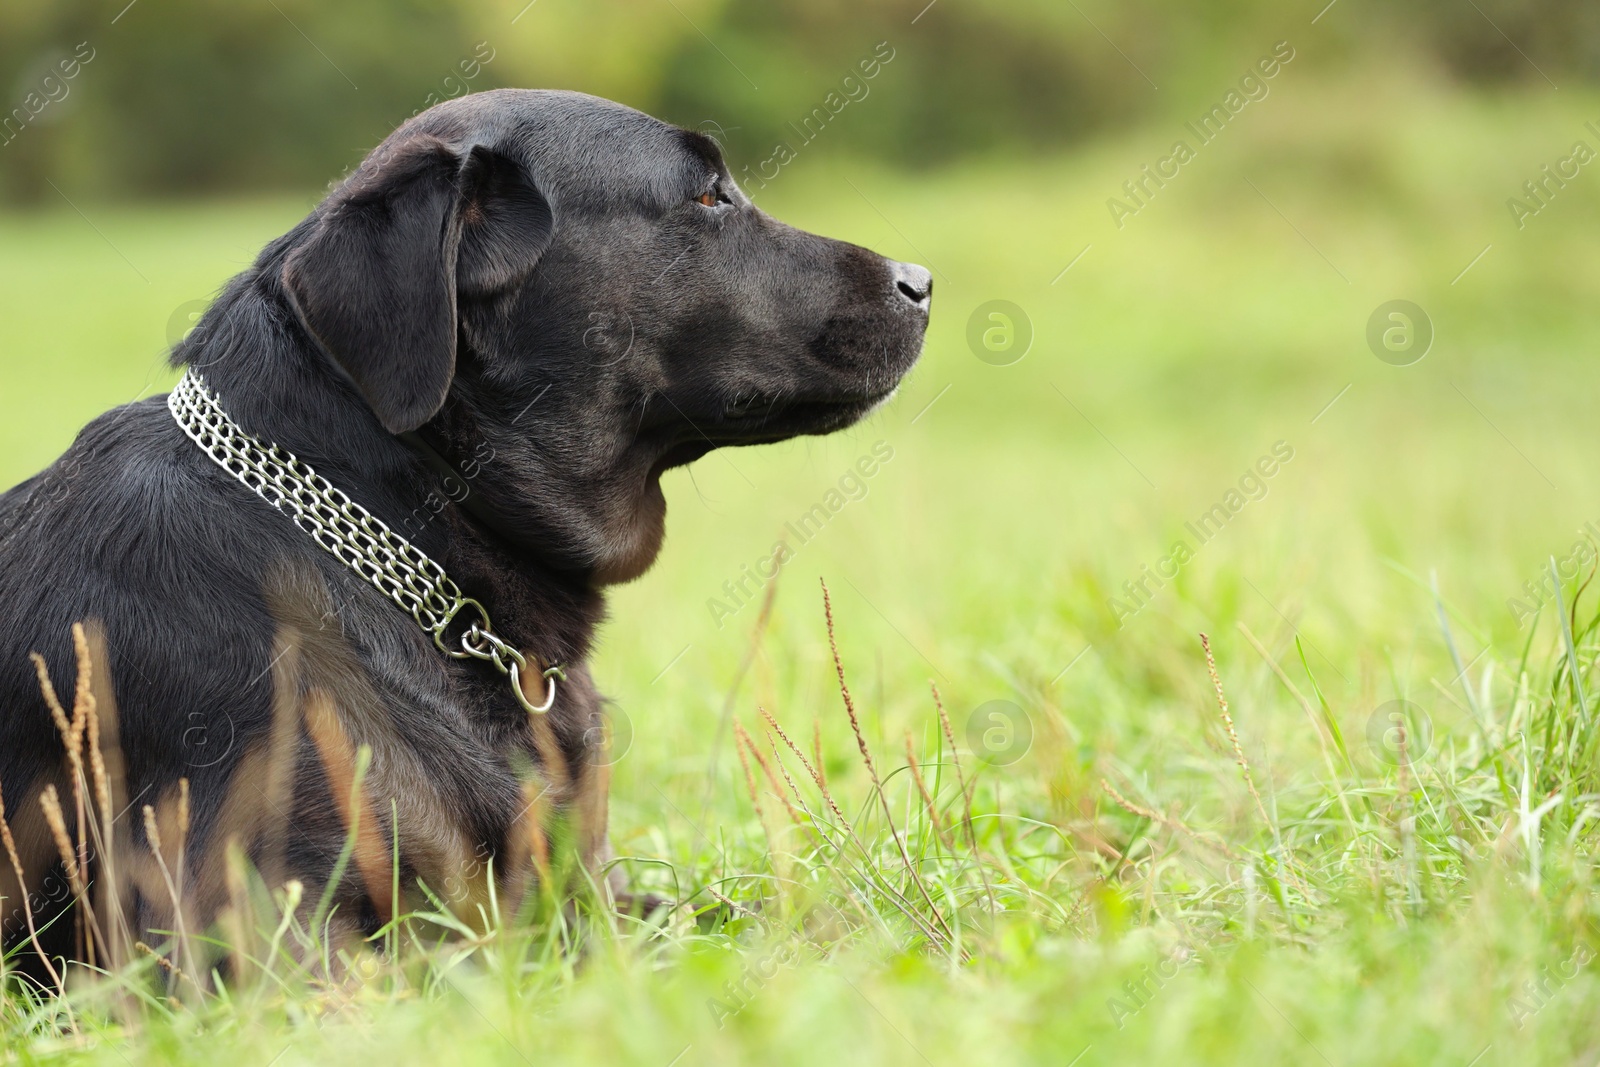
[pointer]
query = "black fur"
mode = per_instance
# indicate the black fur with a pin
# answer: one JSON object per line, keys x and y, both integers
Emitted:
{"x": 529, "y": 274}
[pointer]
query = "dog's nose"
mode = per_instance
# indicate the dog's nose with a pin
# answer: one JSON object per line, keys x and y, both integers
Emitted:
{"x": 914, "y": 282}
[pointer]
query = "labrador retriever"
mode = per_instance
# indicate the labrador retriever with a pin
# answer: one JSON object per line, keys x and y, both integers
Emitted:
{"x": 342, "y": 584}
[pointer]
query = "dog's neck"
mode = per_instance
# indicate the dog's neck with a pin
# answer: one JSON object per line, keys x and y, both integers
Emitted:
{"x": 454, "y": 477}
{"x": 277, "y": 384}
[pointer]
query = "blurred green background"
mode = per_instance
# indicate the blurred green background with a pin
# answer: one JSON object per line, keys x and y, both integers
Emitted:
{"x": 1228, "y": 311}
{"x": 183, "y": 95}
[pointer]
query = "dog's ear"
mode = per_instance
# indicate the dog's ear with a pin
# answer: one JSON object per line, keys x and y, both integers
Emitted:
{"x": 377, "y": 279}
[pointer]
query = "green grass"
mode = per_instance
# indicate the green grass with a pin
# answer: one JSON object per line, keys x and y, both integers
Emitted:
{"x": 1375, "y": 915}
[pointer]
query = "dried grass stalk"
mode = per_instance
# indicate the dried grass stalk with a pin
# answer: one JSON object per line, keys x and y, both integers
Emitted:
{"x": 966, "y": 795}
{"x": 27, "y": 903}
{"x": 106, "y": 771}
{"x": 152, "y": 833}
{"x": 71, "y": 728}
{"x": 1174, "y": 824}
{"x": 814, "y": 770}
{"x": 872, "y": 769}
{"x": 740, "y": 740}
{"x": 55, "y": 818}
{"x": 820, "y": 773}
{"x": 1233, "y": 737}
{"x": 961, "y": 775}
{"x": 772, "y": 778}
{"x": 914, "y": 766}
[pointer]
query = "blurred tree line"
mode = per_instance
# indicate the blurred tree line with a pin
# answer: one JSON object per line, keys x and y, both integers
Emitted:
{"x": 166, "y": 97}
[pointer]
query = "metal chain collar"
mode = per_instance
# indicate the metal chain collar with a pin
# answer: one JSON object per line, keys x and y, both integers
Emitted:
{"x": 359, "y": 539}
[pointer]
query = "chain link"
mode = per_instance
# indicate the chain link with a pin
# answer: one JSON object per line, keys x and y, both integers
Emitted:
{"x": 352, "y": 534}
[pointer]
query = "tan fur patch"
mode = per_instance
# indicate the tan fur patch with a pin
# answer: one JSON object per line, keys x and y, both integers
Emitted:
{"x": 339, "y": 763}
{"x": 431, "y": 843}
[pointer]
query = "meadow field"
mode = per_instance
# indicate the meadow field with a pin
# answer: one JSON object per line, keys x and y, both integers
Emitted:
{"x": 1380, "y": 852}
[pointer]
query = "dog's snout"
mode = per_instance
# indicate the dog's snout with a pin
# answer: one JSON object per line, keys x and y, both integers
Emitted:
{"x": 914, "y": 282}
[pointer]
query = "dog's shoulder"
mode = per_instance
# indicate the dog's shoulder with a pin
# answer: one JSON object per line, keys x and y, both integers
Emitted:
{"x": 131, "y": 508}
{"x": 133, "y": 528}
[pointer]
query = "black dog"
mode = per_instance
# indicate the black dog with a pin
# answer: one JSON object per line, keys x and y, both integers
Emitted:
{"x": 557, "y": 297}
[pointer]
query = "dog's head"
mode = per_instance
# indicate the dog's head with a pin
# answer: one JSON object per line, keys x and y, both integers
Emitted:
{"x": 579, "y": 297}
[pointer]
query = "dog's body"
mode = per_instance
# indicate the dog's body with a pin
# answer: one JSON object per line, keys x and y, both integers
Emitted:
{"x": 569, "y": 298}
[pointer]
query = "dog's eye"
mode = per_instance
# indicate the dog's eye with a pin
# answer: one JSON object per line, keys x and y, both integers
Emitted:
{"x": 713, "y": 197}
